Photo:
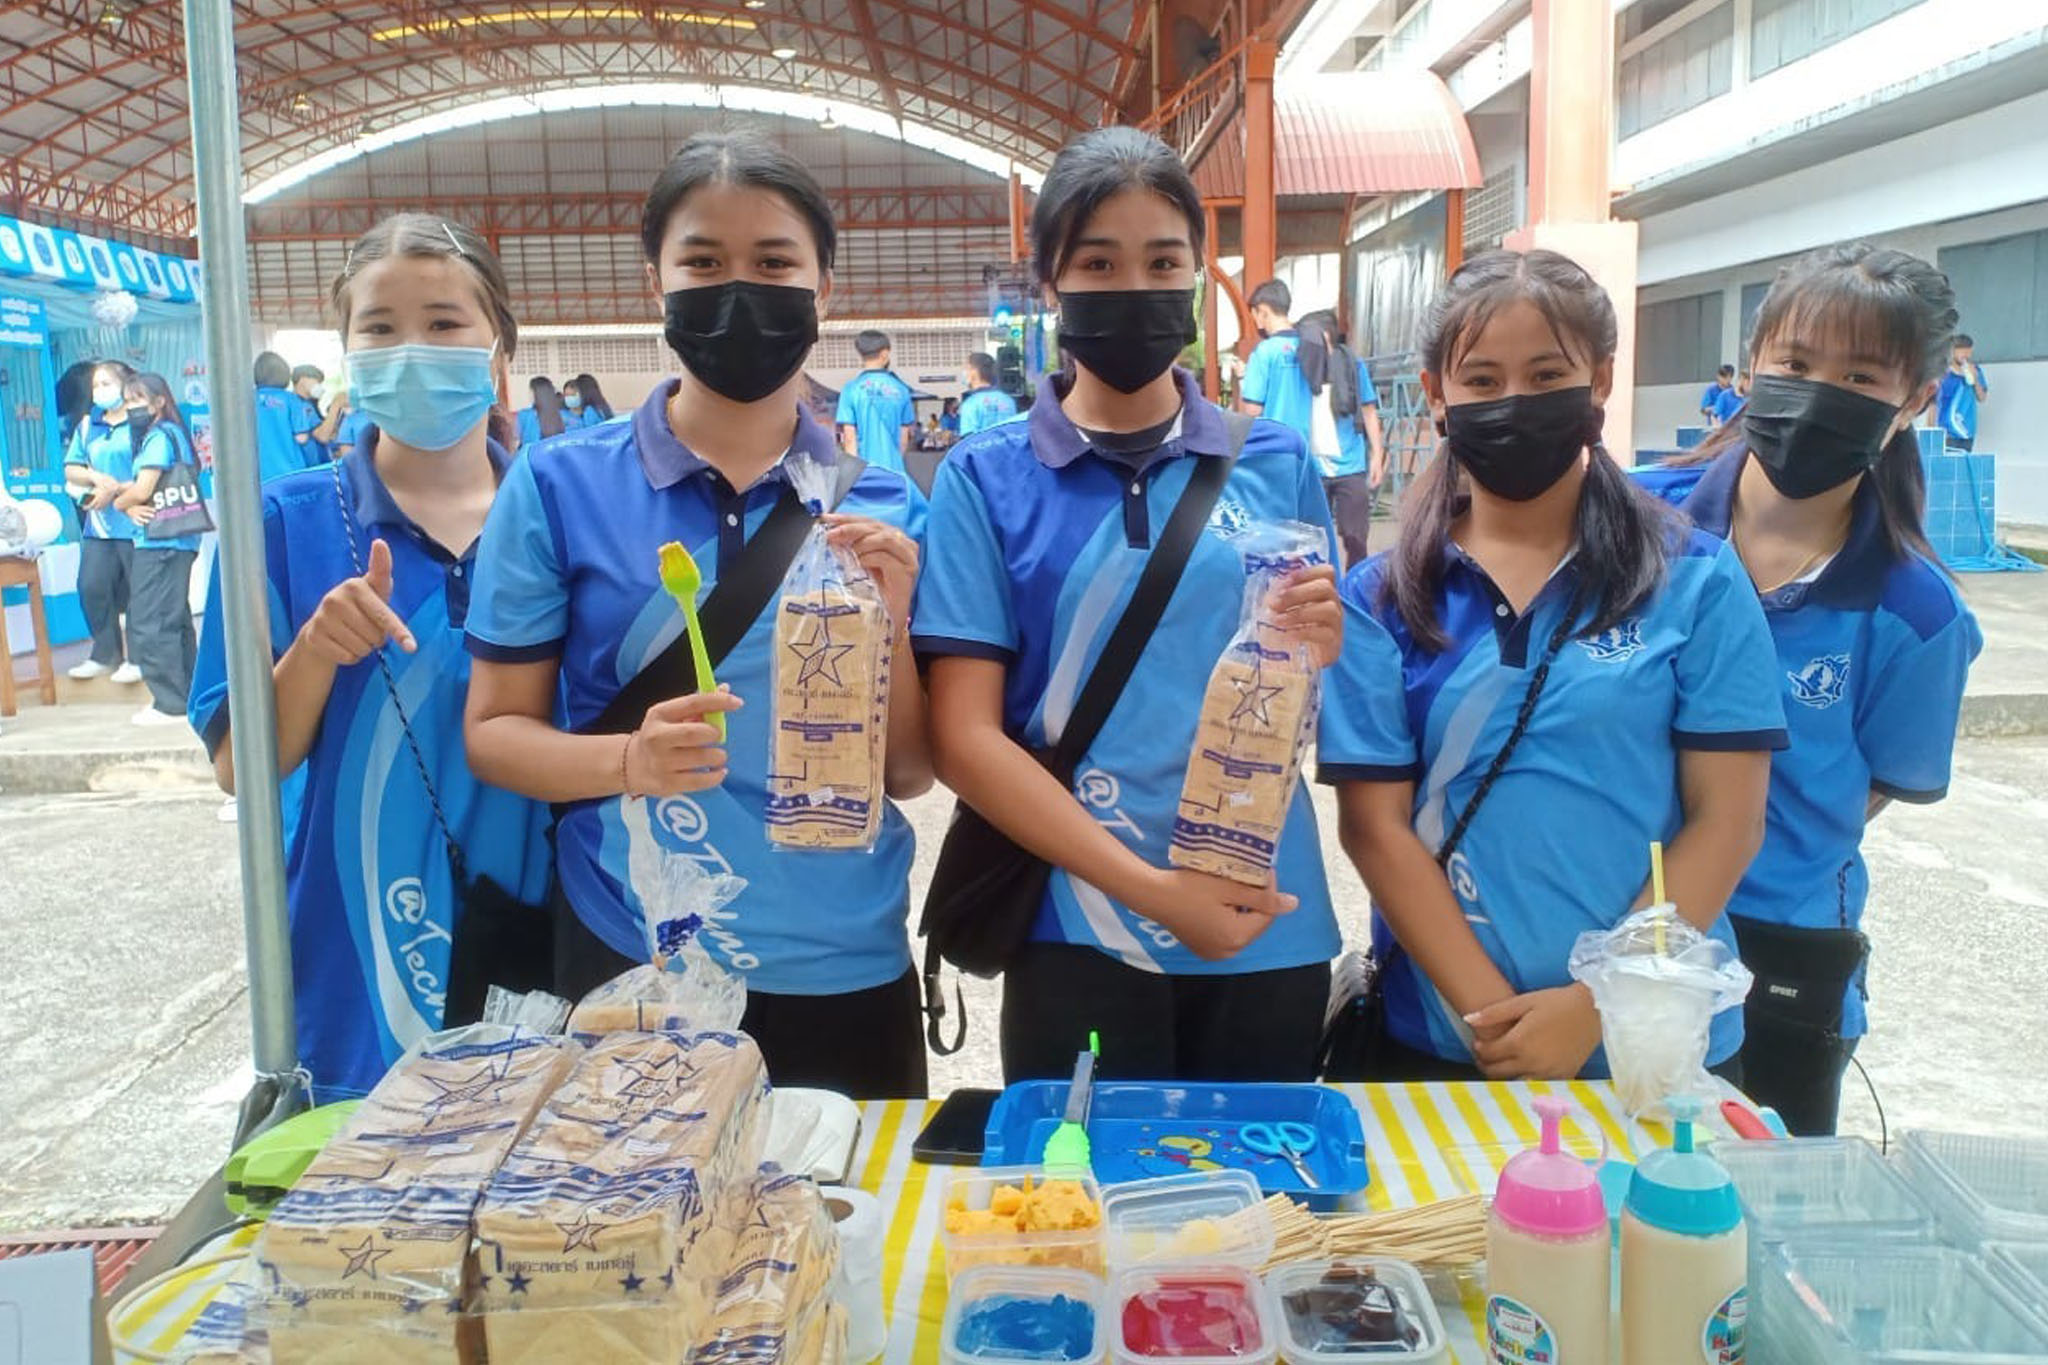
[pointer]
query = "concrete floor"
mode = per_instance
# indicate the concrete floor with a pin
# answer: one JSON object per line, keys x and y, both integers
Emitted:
{"x": 125, "y": 1051}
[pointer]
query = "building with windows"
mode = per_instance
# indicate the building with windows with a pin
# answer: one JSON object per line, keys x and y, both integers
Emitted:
{"x": 1747, "y": 132}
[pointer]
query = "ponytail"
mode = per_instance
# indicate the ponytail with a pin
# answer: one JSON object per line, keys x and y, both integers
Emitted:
{"x": 1901, "y": 486}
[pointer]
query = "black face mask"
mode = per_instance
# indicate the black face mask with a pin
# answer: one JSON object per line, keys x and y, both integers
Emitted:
{"x": 742, "y": 340}
{"x": 139, "y": 420}
{"x": 1127, "y": 337}
{"x": 1518, "y": 448}
{"x": 1809, "y": 436}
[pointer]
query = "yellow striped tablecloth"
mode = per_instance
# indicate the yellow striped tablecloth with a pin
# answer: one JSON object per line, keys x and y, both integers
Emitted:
{"x": 1425, "y": 1142}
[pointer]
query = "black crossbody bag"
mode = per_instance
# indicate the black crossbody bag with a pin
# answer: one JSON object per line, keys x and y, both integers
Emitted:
{"x": 1355, "y": 1037}
{"x": 987, "y": 889}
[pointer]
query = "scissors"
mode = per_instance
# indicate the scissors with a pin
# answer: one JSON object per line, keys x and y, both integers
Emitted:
{"x": 1286, "y": 1141}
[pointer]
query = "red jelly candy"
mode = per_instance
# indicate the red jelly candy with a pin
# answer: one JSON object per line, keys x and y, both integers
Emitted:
{"x": 1192, "y": 1317}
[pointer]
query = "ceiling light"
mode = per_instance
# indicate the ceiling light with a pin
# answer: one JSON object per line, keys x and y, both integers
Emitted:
{"x": 300, "y": 104}
{"x": 829, "y": 123}
{"x": 782, "y": 54}
{"x": 757, "y": 4}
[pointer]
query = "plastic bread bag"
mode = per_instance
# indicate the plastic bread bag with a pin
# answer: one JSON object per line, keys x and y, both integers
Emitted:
{"x": 1257, "y": 714}
{"x": 1658, "y": 983}
{"x": 680, "y": 988}
{"x": 773, "y": 1301}
{"x": 226, "y": 1332}
{"x": 614, "y": 1219}
{"x": 829, "y": 728}
{"x": 372, "y": 1245}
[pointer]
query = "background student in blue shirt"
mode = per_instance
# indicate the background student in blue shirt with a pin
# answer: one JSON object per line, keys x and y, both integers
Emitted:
{"x": 983, "y": 405}
{"x": 369, "y": 563}
{"x": 99, "y": 462}
{"x": 160, "y": 635}
{"x": 1710, "y": 398}
{"x": 282, "y": 421}
{"x": 1040, "y": 529}
{"x": 1728, "y": 402}
{"x": 877, "y": 413}
{"x": 1818, "y": 488}
{"x": 590, "y": 401}
{"x": 570, "y": 608}
{"x": 1547, "y": 674}
{"x": 546, "y": 416}
{"x": 318, "y": 432}
{"x": 1964, "y": 386}
{"x": 1345, "y": 411}
{"x": 1273, "y": 385}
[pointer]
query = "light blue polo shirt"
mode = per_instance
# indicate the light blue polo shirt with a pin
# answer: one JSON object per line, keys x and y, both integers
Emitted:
{"x": 1956, "y": 402}
{"x": 109, "y": 450}
{"x": 371, "y": 893}
{"x": 568, "y": 572}
{"x": 352, "y": 432}
{"x": 306, "y": 420}
{"x": 1727, "y": 405}
{"x": 278, "y": 425}
{"x": 1353, "y": 454}
{"x": 1037, "y": 542}
{"x": 878, "y": 405}
{"x": 1273, "y": 379}
{"x": 162, "y": 447}
{"x": 1710, "y": 397}
{"x": 1562, "y": 844}
{"x": 983, "y": 408}
{"x": 1872, "y": 656}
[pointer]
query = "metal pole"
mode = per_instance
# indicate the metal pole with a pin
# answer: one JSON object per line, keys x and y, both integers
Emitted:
{"x": 217, "y": 177}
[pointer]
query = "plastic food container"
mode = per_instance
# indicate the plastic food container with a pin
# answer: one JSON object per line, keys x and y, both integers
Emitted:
{"x": 1304, "y": 1339}
{"x": 1822, "y": 1189}
{"x": 1074, "y": 1248}
{"x": 1889, "y": 1304}
{"x": 1193, "y": 1315}
{"x": 1984, "y": 1188}
{"x": 1186, "y": 1251}
{"x": 2025, "y": 1268}
{"x": 996, "y": 1288}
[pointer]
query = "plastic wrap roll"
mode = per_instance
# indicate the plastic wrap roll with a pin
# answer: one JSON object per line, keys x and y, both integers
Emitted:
{"x": 859, "y": 1284}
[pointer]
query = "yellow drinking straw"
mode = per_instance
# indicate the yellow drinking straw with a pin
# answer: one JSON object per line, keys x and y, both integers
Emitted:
{"x": 1657, "y": 887}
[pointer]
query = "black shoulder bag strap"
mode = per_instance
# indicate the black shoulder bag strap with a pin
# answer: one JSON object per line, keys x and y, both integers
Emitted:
{"x": 1113, "y": 669}
{"x": 1527, "y": 713}
{"x": 744, "y": 588}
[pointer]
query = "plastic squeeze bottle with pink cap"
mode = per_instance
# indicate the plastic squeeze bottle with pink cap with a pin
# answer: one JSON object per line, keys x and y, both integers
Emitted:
{"x": 1548, "y": 1257}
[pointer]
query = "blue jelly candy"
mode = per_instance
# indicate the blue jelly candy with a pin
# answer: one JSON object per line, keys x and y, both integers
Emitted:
{"x": 1027, "y": 1327}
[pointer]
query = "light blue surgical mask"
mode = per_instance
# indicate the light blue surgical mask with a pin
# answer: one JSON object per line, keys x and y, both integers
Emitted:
{"x": 426, "y": 397}
{"x": 572, "y": 401}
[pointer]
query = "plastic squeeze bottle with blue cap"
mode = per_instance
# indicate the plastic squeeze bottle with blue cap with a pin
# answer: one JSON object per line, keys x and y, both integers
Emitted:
{"x": 1684, "y": 1257}
{"x": 1547, "y": 1257}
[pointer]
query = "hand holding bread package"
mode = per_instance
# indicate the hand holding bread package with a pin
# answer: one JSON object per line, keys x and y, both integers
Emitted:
{"x": 829, "y": 729}
{"x": 1256, "y": 718}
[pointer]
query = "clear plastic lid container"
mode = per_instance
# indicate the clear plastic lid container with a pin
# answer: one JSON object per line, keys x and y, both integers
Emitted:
{"x": 1890, "y": 1304}
{"x": 1213, "y": 1219}
{"x": 1362, "y": 1308}
{"x": 1810, "y": 1187}
{"x": 1985, "y": 1188}
{"x": 2024, "y": 1266}
{"x": 1005, "y": 1313}
{"x": 1192, "y": 1315}
{"x": 1019, "y": 1215}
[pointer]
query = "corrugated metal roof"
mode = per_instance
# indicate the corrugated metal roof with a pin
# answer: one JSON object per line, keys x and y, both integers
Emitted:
{"x": 113, "y": 1249}
{"x": 1354, "y": 133}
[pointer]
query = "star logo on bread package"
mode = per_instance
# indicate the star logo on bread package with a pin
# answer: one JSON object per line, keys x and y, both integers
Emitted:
{"x": 362, "y": 1260}
{"x": 581, "y": 1233}
{"x": 820, "y": 656}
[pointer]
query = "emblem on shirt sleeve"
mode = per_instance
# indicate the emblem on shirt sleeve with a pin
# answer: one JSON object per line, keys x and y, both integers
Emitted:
{"x": 1614, "y": 644}
{"x": 1821, "y": 683}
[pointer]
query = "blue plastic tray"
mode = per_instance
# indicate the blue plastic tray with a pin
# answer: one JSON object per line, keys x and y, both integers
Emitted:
{"x": 1138, "y": 1130}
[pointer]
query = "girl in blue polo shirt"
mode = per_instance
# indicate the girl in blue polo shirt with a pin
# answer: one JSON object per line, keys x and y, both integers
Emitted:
{"x": 570, "y": 607}
{"x": 1818, "y": 488}
{"x": 160, "y": 633}
{"x": 1040, "y": 529}
{"x": 284, "y": 422}
{"x": 1546, "y": 675}
{"x": 98, "y": 465}
{"x": 370, "y": 564}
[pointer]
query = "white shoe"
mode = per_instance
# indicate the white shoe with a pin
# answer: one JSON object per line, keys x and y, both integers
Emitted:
{"x": 127, "y": 673}
{"x": 87, "y": 671}
{"x": 226, "y": 813}
{"x": 150, "y": 717}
